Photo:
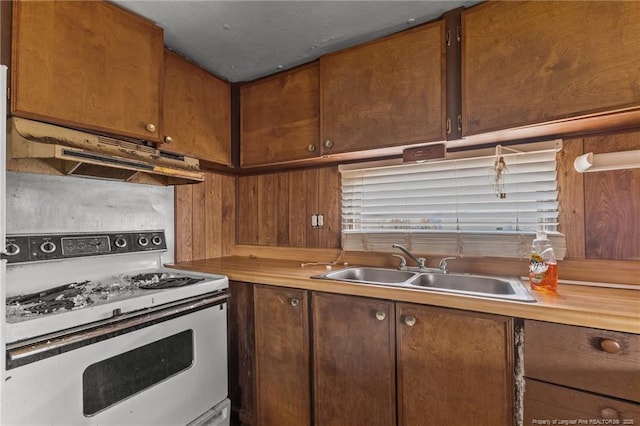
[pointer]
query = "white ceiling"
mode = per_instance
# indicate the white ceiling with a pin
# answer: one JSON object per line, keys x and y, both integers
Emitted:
{"x": 242, "y": 40}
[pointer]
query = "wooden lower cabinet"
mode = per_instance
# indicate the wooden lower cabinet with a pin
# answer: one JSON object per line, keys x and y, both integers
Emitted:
{"x": 354, "y": 361}
{"x": 580, "y": 375}
{"x": 454, "y": 367}
{"x": 241, "y": 351}
{"x": 331, "y": 359}
{"x": 283, "y": 385}
{"x": 560, "y": 405}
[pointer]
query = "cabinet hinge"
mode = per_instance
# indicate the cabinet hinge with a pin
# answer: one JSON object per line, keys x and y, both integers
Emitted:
{"x": 8, "y": 93}
{"x": 447, "y": 38}
{"x": 459, "y": 123}
{"x": 459, "y": 33}
{"x": 448, "y": 126}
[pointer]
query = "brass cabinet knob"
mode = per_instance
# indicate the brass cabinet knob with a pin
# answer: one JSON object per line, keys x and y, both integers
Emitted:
{"x": 328, "y": 143}
{"x": 150, "y": 127}
{"x": 380, "y": 316}
{"x": 294, "y": 302}
{"x": 168, "y": 139}
{"x": 609, "y": 413}
{"x": 311, "y": 148}
{"x": 410, "y": 321}
{"x": 610, "y": 346}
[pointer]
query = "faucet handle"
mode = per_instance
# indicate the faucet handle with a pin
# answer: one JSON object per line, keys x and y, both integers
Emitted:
{"x": 443, "y": 264}
{"x": 403, "y": 261}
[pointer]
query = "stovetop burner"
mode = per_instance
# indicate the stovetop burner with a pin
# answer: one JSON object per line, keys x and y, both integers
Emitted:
{"x": 64, "y": 297}
{"x": 152, "y": 281}
{"x": 81, "y": 294}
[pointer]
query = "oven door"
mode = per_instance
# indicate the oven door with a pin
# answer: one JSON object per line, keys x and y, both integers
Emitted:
{"x": 163, "y": 372}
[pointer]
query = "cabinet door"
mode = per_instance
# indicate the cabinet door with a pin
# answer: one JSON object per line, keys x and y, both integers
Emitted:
{"x": 282, "y": 356}
{"x": 558, "y": 405}
{"x": 279, "y": 118}
{"x": 386, "y": 93}
{"x": 354, "y": 358}
{"x": 196, "y": 111}
{"x": 87, "y": 64}
{"x": 275, "y": 209}
{"x": 533, "y": 62}
{"x": 241, "y": 343}
{"x": 454, "y": 367}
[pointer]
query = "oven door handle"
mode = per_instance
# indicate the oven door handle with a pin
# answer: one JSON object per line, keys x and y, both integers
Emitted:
{"x": 47, "y": 346}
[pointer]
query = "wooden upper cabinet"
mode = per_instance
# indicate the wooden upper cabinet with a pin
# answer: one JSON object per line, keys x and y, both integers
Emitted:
{"x": 279, "y": 118}
{"x": 525, "y": 63}
{"x": 454, "y": 367}
{"x": 196, "y": 111}
{"x": 354, "y": 360}
{"x": 87, "y": 64}
{"x": 283, "y": 376}
{"x": 386, "y": 93}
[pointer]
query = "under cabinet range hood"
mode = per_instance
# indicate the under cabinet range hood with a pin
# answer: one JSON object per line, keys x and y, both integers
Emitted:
{"x": 77, "y": 153}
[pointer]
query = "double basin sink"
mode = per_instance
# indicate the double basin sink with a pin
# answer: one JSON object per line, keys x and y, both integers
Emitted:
{"x": 466, "y": 284}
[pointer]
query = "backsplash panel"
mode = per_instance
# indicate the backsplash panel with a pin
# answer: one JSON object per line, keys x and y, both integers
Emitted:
{"x": 43, "y": 203}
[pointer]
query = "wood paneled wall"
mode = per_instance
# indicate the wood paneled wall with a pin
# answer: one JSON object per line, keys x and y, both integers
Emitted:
{"x": 275, "y": 209}
{"x": 205, "y": 218}
{"x": 600, "y": 211}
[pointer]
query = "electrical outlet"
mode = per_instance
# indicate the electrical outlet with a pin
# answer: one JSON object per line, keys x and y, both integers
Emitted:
{"x": 317, "y": 221}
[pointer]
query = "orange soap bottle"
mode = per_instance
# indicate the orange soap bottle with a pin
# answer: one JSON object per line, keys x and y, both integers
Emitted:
{"x": 543, "y": 266}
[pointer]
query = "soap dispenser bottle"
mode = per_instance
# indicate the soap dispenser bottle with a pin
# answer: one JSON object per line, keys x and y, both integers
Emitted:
{"x": 543, "y": 266}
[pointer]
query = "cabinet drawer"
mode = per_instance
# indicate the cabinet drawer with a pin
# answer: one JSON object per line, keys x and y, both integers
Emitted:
{"x": 600, "y": 361}
{"x": 543, "y": 401}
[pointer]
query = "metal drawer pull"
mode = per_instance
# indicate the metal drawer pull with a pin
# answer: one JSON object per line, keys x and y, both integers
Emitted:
{"x": 610, "y": 346}
{"x": 410, "y": 321}
{"x": 294, "y": 302}
{"x": 380, "y": 316}
{"x": 609, "y": 413}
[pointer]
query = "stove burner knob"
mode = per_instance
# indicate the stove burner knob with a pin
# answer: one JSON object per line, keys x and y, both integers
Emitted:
{"x": 47, "y": 247}
{"x": 156, "y": 240}
{"x": 12, "y": 249}
{"x": 143, "y": 241}
{"x": 120, "y": 242}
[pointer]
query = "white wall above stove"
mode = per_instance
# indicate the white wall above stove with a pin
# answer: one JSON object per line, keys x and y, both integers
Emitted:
{"x": 52, "y": 204}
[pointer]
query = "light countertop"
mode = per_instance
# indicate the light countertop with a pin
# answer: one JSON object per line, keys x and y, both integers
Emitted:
{"x": 598, "y": 307}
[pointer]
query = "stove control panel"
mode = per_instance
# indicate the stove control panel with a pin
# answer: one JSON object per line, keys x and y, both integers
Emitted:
{"x": 33, "y": 248}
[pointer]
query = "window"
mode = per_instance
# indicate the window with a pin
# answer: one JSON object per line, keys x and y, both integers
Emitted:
{"x": 454, "y": 207}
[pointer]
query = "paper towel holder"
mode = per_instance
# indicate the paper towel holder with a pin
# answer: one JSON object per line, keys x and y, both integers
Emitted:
{"x": 591, "y": 162}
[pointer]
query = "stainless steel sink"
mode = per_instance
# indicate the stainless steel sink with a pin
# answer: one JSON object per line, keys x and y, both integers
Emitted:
{"x": 476, "y": 285}
{"x": 466, "y": 284}
{"x": 369, "y": 275}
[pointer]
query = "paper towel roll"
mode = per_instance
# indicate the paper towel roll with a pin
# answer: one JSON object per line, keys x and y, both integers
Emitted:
{"x": 591, "y": 162}
{"x": 583, "y": 162}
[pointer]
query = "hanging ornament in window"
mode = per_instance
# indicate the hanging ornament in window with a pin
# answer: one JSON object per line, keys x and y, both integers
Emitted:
{"x": 498, "y": 170}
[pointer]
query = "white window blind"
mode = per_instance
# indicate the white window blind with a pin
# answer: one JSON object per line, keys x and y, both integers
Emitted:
{"x": 453, "y": 207}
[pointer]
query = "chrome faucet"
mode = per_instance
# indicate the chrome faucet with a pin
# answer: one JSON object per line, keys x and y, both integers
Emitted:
{"x": 421, "y": 261}
{"x": 443, "y": 265}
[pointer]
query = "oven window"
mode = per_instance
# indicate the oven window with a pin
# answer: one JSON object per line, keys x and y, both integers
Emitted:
{"x": 110, "y": 381}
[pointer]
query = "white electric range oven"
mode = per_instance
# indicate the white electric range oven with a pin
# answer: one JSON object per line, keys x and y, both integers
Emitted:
{"x": 98, "y": 332}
